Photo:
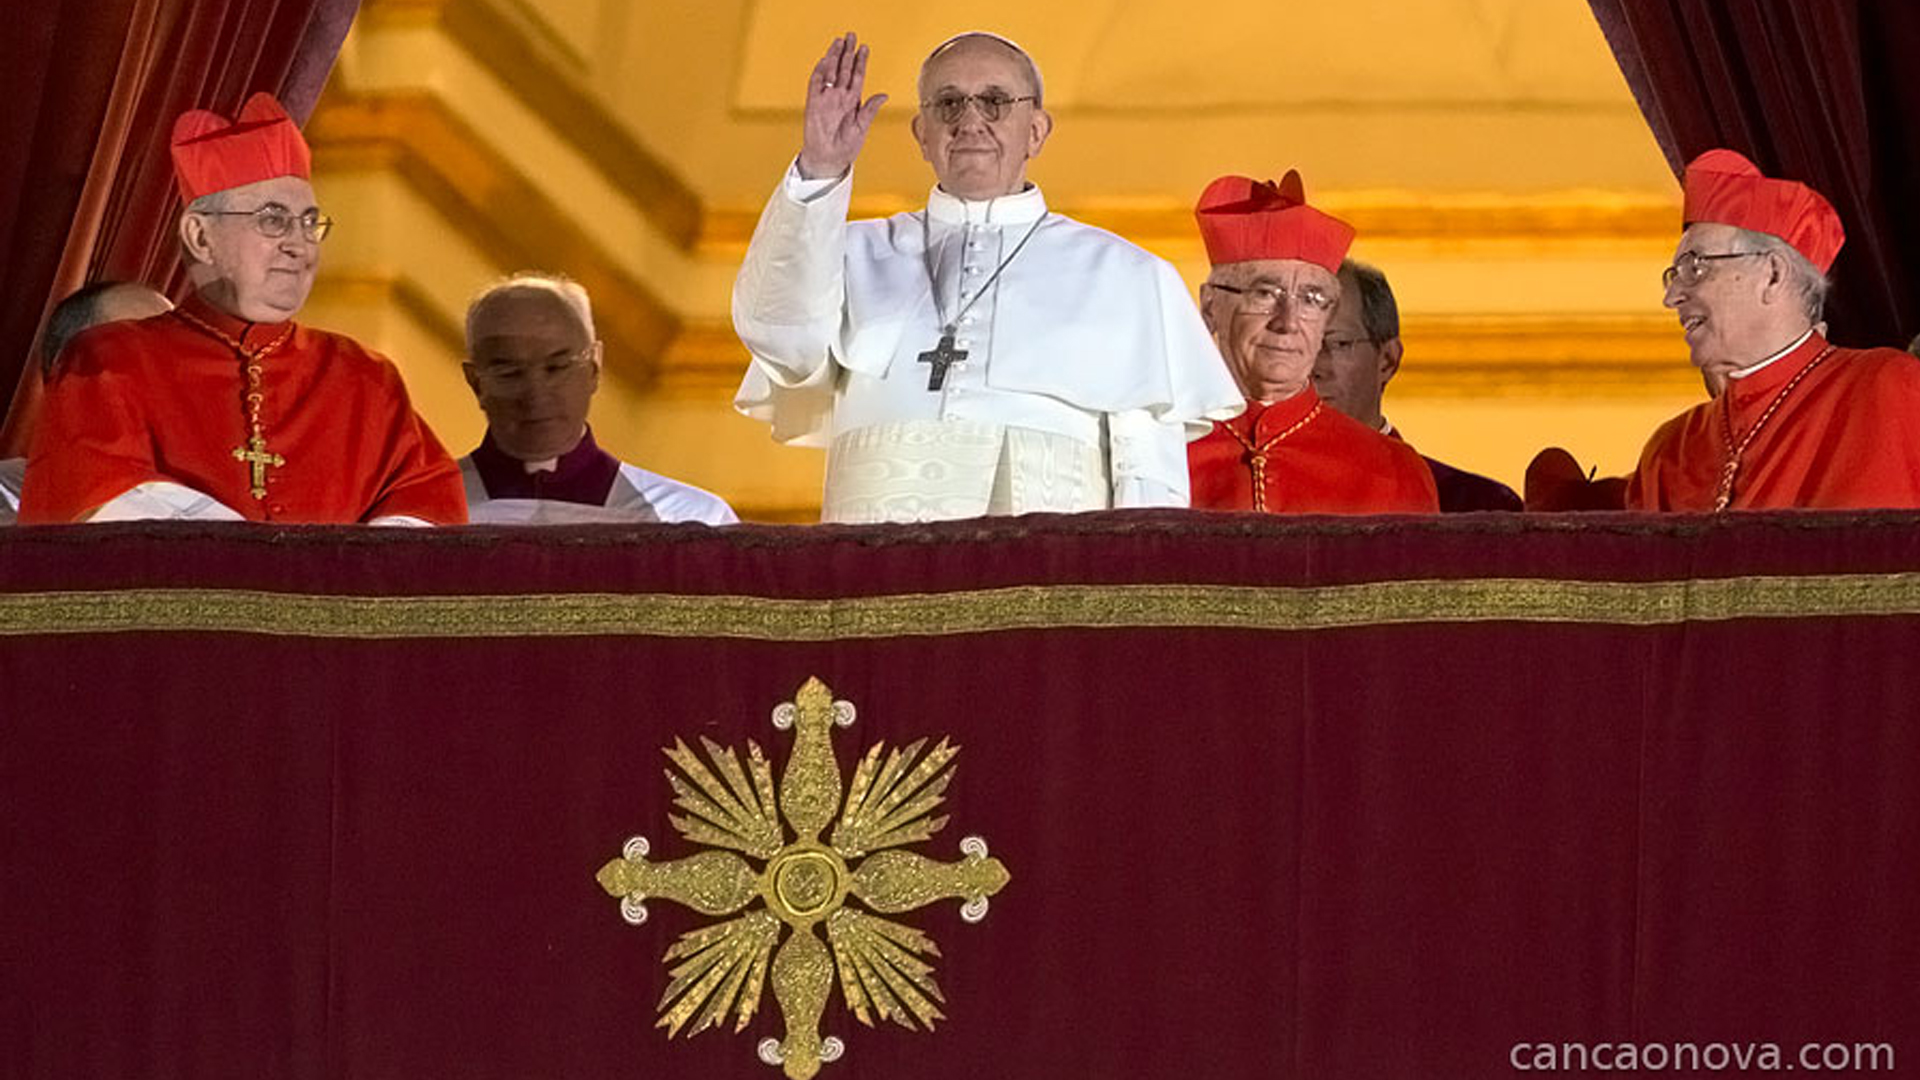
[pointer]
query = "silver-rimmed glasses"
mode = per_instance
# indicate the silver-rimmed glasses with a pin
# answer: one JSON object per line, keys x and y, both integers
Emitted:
{"x": 1264, "y": 298}
{"x": 1691, "y": 267}
{"x": 949, "y": 108}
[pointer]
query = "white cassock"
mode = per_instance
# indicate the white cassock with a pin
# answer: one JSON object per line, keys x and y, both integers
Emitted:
{"x": 1088, "y": 368}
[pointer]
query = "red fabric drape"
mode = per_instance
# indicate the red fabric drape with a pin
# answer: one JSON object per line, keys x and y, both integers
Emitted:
{"x": 93, "y": 87}
{"x": 1378, "y": 799}
{"x": 1815, "y": 90}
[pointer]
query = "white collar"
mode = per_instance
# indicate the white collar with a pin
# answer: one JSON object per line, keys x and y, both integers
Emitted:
{"x": 1021, "y": 208}
{"x": 1751, "y": 368}
{"x": 1386, "y": 426}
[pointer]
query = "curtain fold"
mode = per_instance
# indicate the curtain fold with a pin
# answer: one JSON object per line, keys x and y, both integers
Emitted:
{"x": 1809, "y": 89}
{"x": 97, "y": 86}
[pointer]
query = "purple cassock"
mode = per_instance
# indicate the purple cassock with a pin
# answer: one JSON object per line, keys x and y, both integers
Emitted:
{"x": 1464, "y": 492}
{"x": 584, "y": 474}
{"x": 582, "y": 486}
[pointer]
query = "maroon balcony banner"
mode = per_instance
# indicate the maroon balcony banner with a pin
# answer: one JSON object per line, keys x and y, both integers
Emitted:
{"x": 1137, "y": 794}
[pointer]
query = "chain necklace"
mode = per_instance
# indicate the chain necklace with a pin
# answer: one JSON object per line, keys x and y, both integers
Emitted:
{"x": 1731, "y": 468}
{"x": 254, "y": 455}
{"x": 1257, "y": 455}
{"x": 945, "y": 354}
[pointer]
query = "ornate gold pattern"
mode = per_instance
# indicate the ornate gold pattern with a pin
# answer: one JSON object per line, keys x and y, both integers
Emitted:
{"x": 881, "y": 964}
{"x": 977, "y": 611}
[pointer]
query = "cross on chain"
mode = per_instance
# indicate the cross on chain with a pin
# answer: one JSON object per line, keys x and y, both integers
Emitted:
{"x": 255, "y": 455}
{"x": 939, "y": 359}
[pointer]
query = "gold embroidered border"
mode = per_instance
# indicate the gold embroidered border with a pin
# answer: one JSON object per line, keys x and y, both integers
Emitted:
{"x": 1606, "y": 603}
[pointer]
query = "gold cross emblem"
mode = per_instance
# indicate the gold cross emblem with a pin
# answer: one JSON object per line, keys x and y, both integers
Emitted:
{"x": 255, "y": 455}
{"x": 844, "y": 882}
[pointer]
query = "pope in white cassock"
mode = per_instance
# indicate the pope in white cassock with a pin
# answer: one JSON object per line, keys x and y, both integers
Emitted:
{"x": 980, "y": 356}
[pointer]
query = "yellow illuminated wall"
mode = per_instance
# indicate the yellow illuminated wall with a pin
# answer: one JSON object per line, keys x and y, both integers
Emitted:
{"x": 1487, "y": 150}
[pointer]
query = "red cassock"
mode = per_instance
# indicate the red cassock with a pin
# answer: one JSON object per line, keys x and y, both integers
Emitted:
{"x": 1847, "y": 436}
{"x": 164, "y": 400}
{"x": 1310, "y": 459}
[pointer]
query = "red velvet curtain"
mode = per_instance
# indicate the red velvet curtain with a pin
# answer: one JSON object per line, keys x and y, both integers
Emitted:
{"x": 86, "y": 188}
{"x": 1810, "y": 89}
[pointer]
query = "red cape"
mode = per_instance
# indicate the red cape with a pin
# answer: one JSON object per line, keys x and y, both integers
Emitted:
{"x": 160, "y": 399}
{"x": 1848, "y": 437}
{"x": 1331, "y": 465}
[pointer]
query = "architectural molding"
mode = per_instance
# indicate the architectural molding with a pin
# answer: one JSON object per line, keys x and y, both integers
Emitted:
{"x": 497, "y": 207}
{"x": 401, "y": 294}
{"x": 1482, "y": 356}
{"x": 501, "y": 46}
{"x": 1545, "y": 221}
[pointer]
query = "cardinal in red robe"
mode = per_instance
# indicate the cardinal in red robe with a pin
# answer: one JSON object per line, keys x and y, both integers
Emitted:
{"x": 227, "y": 408}
{"x": 1795, "y": 421}
{"x": 1271, "y": 292}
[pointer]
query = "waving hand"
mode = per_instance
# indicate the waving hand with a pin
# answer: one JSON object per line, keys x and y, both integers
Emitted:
{"x": 836, "y": 120}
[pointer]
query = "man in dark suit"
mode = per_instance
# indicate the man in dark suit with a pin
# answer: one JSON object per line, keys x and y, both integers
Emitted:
{"x": 1360, "y": 354}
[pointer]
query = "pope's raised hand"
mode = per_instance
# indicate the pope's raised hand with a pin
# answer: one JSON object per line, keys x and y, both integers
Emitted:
{"x": 837, "y": 121}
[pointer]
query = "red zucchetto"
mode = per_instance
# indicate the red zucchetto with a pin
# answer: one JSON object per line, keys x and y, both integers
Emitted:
{"x": 1242, "y": 219}
{"x": 212, "y": 153}
{"x": 1724, "y": 188}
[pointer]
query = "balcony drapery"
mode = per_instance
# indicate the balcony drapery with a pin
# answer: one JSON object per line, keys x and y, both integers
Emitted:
{"x": 1277, "y": 799}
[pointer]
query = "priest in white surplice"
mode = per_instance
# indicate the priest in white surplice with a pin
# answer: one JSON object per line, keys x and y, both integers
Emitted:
{"x": 983, "y": 356}
{"x": 533, "y": 363}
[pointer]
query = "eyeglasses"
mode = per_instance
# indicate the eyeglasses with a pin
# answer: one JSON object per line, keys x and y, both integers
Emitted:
{"x": 949, "y": 108}
{"x": 505, "y": 378}
{"x": 1691, "y": 267}
{"x": 274, "y": 221}
{"x": 1265, "y": 299}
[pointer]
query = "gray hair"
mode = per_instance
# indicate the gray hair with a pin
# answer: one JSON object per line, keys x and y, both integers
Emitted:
{"x": 1379, "y": 312}
{"x": 1805, "y": 278}
{"x": 560, "y": 285}
{"x": 213, "y": 202}
{"x": 1033, "y": 69}
{"x": 79, "y": 311}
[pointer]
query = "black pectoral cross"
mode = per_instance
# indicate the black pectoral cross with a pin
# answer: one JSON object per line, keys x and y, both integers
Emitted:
{"x": 940, "y": 358}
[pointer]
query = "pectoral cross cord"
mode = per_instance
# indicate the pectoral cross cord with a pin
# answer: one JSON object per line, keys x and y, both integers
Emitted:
{"x": 254, "y": 454}
{"x": 946, "y": 353}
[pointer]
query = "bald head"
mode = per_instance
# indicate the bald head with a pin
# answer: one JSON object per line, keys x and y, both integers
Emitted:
{"x": 533, "y": 363}
{"x": 525, "y": 287}
{"x": 984, "y": 41}
{"x": 101, "y": 302}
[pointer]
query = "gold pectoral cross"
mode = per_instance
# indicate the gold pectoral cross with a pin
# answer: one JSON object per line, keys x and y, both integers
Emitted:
{"x": 255, "y": 455}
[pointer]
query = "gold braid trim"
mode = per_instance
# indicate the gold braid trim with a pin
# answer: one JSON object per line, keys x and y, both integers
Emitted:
{"x": 1026, "y": 607}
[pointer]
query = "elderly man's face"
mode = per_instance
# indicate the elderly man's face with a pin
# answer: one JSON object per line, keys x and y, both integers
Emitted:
{"x": 257, "y": 277}
{"x": 977, "y": 158}
{"x": 1270, "y": 353}
{"x": 1351, "y": 371}
{"x": 1724, "y": 309}
{"x": 534, "y": 370}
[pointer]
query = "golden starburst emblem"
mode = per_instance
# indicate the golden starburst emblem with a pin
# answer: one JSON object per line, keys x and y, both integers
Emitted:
{"x": 803, "y": 882}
